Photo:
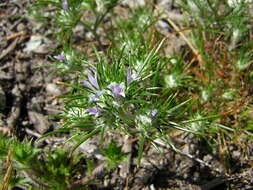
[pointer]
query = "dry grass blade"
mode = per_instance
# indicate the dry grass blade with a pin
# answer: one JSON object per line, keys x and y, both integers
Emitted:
{"x": 195, "y": 51}
{"x": 6, "y": 180}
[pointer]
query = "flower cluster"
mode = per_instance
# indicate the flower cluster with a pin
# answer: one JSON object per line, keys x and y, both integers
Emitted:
{"x": 94, "y": 111}
{"x": 116, "y": 90}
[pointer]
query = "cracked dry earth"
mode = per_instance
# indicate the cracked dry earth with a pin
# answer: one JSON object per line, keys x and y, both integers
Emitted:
{"x": 27, "y": 98}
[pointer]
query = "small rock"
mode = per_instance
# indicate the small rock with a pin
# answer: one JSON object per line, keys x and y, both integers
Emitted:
{"x": 134, "y": 3}
{"x": 35, "y": 103}
{"x": 22, "y": 87}
{"x": 34, "y": 43}
{"x": 54, "y": 102}
{"x": 21, "y": 27}
{"x": 236, "y": 155}
{"x": 89, "y": 147}
{"x": 40, "y": 123}
{"x": 89, "y": 36}
{"x": 53, "y": 89}
{"x": 164, "y": 3}
{"x": 37, "y": 44}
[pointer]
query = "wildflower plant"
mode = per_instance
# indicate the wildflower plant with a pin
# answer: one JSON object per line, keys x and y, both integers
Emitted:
{"x": 67, "y": 14}
{"x": 131, "y": 88}
{"x": 121, "y": 83}
{"x": 68, "y": 61}
{"x": 122, "y": 94}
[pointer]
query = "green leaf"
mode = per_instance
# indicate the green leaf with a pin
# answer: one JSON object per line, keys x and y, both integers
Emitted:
{"x": 85, "y": 138}
{"x": 201, "y": 119}
{"x": 61, "y": 130}
{"x": 113, "y": 155}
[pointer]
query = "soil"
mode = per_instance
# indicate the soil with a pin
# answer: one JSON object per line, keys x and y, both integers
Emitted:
{"x": 27, "y": 99}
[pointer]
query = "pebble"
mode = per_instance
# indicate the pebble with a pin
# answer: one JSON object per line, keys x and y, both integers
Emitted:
{"x": 40, "y": 123}
{"x": 34, "y": 43}
{"x": 236, "y": 155}
{"x": 37, "y": 44}
{"x": 21, "y": 27}
{"x": 53, "y": 89}
{"x": 134, "y": 3}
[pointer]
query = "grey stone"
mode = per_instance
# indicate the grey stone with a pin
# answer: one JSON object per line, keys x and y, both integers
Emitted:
{"x": 53, "y": 89}
{"x": 40, "y": 123}
{"x": 34, "y": 43}
{"x": 134, "y": 3}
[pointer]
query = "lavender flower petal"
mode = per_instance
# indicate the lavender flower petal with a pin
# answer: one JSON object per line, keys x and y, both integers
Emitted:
{"x": 153, "y": 112}
{"x": 95, "y": 97}
{"x": 131, "y": 76}
{"x": 94, "y": 111}
{"x": 117, "y": 89}
{"x": 88, "y": 85}
{"x": 60, "y": 57}
{"x": 93, "y": 79}
{"x": 65, "y": 5}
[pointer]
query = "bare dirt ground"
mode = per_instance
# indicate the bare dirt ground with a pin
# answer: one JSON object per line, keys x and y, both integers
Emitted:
{"x": 27, "y": 99}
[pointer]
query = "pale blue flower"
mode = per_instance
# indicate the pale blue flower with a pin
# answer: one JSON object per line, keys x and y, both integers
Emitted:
{"x": 65, "y": 5}
{"x": 94, "y": 111}
{"x": 95, "y": 97}
{"x": 152, "y": 113}
{"x": 61, "y": 57}
{"x": 131, "y": 76}
{"x": 92, "y": 81}
{"x": 88, "y": 85}
{"x": 117, "y": 89}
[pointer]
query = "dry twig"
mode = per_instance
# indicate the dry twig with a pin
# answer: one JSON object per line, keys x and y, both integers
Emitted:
{"x": 6, "y": 180}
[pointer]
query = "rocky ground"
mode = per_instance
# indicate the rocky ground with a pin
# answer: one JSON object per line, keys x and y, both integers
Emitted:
{"x": 27, "y": 99}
